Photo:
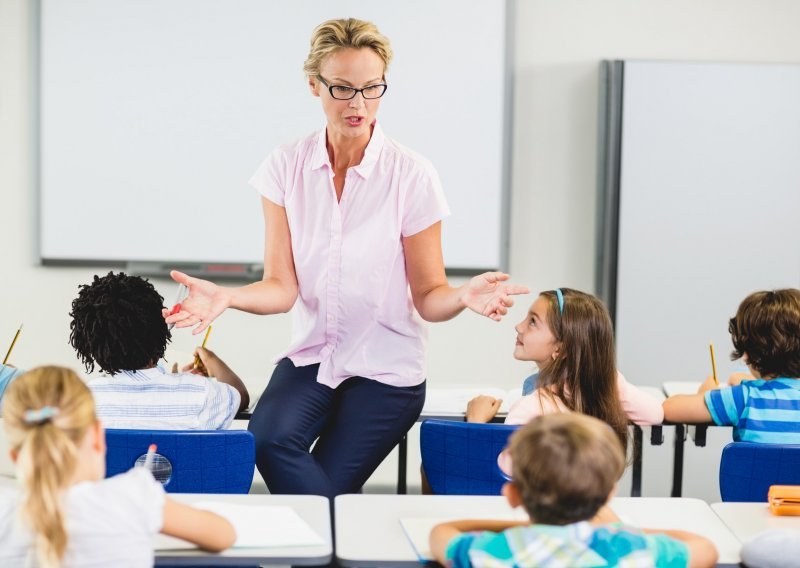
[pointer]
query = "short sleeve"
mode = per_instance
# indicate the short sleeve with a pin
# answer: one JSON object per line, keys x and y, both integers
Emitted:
{"x": 425, "y": 203}
{"x": 457, "y": 553}
{"x": 269, "y": 178}
{"x": 479, "y": 549}
{"x": 221, "y": 405}
{"x": 668, "y": 552}
{"x": 726, "y": 405}
{"x": 144, "y": 495}
{"x": 640, "y": 407}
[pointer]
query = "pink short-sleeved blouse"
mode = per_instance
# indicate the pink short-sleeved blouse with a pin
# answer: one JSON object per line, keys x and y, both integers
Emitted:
{"x": 354, "y": 314}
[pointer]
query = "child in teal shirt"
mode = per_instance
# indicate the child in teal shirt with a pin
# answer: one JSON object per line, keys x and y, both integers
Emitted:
{"x": 565, "y": 469}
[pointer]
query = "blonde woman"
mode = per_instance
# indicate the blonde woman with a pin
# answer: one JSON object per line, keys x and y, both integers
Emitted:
{"x": 67, "y": 514}
{"x": 353, "y": 248}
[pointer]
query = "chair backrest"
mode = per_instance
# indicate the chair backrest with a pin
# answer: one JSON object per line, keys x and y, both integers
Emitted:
{"x": 746, "y": 470}
{"x": 460, "y": 458}
{"x": 187, "y": 461}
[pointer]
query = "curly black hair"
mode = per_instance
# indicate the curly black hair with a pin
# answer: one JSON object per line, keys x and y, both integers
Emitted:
{"x": 117, "y": 324}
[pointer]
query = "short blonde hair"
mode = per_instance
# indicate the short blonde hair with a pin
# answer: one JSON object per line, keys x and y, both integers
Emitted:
{"x": 333, "y": 35}
{"x": 46, "y": 442}
{"x": 565, "y": 466}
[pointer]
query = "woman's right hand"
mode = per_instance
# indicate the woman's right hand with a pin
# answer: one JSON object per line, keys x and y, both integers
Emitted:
{"x": 204, "y": 303}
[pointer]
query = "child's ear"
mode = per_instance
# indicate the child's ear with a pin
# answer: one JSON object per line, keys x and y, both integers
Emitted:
{"x": 511, "y": 493}
{"x": 14, "y": 455}
{"x": 99, "y": 437}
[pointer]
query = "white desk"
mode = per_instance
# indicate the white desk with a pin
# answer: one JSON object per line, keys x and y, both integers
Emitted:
{"x": 368, "y": 530}
{"x": 746, "y": 520}
{"x": 312, "y": 509}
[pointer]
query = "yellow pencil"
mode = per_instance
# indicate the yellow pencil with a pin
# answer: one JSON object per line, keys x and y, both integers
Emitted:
{"x": 11, "y": 347}
{"x": 197, "y": 361}
{"x": 713, "y": 364}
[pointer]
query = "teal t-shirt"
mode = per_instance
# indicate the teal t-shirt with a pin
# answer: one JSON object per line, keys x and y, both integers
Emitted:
{"x": 579, "y": 545}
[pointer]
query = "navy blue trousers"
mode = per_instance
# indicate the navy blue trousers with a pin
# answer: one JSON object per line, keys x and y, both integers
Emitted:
{"x": 355, "y": 426}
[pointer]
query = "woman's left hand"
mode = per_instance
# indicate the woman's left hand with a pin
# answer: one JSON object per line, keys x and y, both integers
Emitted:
{"x": 489, "y": 295}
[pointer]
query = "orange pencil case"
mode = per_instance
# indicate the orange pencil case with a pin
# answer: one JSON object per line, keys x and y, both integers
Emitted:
{"x": 784, "y": 499}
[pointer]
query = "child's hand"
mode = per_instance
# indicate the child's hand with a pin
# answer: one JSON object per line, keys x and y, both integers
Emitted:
{"x": 489, "y": 295}
{"x": 737, "y": 378}
{"x": 483, "y": 408}
{"x": 708, "y": 384}
{"x": 206, "y": 358}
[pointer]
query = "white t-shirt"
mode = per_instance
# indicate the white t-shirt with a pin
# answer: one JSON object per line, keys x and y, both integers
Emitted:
{"x": 109, "y": 523}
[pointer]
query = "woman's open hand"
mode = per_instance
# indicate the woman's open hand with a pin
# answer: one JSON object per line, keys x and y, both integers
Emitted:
{"x": 489, "y": 295}
{"x": 204, "y": 303}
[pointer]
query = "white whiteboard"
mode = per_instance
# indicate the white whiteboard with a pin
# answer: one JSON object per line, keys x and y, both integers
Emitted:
{"x": 709, "y": 208}
{"x": 155, "y": 113}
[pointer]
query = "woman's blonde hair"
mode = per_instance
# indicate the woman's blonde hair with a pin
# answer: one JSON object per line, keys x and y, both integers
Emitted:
{"x": 46, "y": 413}
{"x": 333, "y": 35}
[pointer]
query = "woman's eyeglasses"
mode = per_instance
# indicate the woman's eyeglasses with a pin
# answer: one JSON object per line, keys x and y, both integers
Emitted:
{"x": 345, "y": 93}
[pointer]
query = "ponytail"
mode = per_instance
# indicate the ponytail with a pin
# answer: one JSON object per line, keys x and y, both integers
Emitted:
{"x": 47, "y": 412}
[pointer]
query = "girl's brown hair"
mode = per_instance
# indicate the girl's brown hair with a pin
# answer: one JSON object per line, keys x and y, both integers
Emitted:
{"x": 584, "y": 374}
{"x": 766, "y": 328}
{"x": 46, "y": 413}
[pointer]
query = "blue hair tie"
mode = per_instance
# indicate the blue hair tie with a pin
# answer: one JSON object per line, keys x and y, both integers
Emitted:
{"x": 560, "y": 297}
{"x": 41, "y": 415}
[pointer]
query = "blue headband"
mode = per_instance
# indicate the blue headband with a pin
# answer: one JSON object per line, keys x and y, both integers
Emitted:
{"x": 560, "y": 297}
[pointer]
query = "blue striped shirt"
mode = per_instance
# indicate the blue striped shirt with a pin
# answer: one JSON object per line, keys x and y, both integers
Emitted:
{"x": 158, "y": 400}
{"x": 766, "y": 411}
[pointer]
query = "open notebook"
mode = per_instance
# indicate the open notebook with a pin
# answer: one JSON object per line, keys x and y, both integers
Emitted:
{"x": 257, "y": 526}
{"x": 418, "y": 529}
{"x": 444, "y": 401}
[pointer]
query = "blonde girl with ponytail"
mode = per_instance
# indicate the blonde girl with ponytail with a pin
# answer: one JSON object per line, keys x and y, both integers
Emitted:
{"x": 67, "y": 515}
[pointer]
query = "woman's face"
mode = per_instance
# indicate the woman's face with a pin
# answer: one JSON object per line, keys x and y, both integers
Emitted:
{"x": 535, "y": 341}
{"x": 357, "y": 68}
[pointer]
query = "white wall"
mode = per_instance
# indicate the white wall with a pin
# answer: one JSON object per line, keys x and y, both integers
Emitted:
{"x": 559, "y": 44}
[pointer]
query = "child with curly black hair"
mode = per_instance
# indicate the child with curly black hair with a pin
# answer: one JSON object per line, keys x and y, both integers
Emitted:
{"x": 117, "y": 326}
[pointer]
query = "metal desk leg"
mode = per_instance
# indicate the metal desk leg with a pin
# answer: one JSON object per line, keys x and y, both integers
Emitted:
{"x": 636, "y": 469}
{"x": 677, "y": 463}
{"x": 402, "y": 458}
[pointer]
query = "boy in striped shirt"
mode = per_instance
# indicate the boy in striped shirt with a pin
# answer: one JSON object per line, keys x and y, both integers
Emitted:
{"x": 565, "y": 469}
{"x": 766, "y": 335}
{"x": 117, "y": 325}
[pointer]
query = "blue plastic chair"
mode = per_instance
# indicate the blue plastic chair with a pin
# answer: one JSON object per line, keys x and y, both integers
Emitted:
{"x": 460, "y": 458}
{"x": 746, "y": 470}
{"x": 187, "y": 461}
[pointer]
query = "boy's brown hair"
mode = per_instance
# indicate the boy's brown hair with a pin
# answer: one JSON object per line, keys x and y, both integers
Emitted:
{"x": 565, "y": 466}
{"x": 766, "y": 328}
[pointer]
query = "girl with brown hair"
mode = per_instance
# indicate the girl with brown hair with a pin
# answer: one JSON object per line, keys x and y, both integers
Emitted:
{"x": 569, "y": 335}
